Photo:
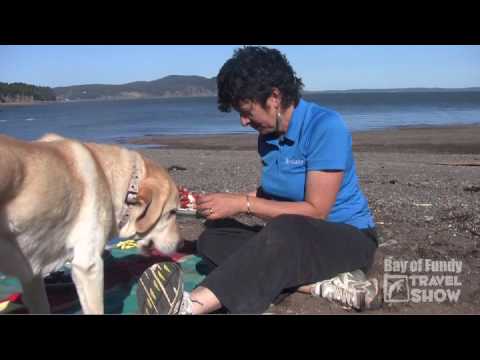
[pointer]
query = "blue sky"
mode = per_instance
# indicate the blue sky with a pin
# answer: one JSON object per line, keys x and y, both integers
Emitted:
{"x": 321, "y": 67}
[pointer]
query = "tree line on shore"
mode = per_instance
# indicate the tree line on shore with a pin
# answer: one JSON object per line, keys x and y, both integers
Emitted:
{"x": 21, "y": 92}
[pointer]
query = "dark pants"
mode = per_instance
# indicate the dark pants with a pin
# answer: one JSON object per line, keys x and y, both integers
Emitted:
{"x": 253, "y": 265}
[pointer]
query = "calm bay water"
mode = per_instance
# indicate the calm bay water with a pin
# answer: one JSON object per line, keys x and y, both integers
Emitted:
{"x": 109, "y": 121}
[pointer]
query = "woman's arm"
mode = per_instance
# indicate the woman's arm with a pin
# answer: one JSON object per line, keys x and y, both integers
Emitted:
{"x": 320, "y": 195}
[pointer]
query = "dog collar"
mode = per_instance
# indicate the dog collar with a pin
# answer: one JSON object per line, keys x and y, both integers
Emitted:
{"x": 131, "y": 197}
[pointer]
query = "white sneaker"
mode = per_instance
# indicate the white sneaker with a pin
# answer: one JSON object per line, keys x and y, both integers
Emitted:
{"x": 352, "y": 290}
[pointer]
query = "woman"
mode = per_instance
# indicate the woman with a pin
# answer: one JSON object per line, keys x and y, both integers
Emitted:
{"x": 318, "y": 221}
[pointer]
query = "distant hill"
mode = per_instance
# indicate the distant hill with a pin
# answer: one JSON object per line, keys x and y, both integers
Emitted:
{"x": 170, "y": 86}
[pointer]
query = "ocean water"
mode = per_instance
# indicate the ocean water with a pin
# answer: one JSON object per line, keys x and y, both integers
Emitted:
{"x": 112, "y": 121}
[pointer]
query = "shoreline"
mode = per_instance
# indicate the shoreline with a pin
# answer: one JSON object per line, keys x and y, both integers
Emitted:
{"x": 51, "y": 102}
{"x": 453, "y": 139}
{"x": 305, "y": 93}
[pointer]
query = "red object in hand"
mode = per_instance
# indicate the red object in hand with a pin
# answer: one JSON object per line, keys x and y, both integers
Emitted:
{"x": 187, "y": 199}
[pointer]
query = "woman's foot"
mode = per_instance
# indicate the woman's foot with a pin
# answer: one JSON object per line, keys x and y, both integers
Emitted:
{"x": 352, "y": 290}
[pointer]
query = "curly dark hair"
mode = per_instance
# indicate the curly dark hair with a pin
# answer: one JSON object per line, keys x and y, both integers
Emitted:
{"x": 252, "y": 73}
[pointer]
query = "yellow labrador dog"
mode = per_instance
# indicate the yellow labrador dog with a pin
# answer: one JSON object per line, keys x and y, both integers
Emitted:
{"x": 61, "y": 200}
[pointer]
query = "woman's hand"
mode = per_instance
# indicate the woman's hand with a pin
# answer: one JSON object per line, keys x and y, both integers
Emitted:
{"x": 221, "y": 205}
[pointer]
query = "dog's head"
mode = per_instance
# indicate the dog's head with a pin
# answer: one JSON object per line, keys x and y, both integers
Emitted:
{"x": 153, "y": 218}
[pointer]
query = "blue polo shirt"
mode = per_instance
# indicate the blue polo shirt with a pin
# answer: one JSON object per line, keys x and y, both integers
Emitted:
{"x": 317, "y": 139}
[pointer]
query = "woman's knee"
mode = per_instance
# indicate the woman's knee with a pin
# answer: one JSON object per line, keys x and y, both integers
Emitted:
{"x": 287, "y": 223}
{"x": 285, "y": 229}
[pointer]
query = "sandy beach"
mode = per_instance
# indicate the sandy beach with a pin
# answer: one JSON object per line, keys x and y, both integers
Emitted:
{"x": 423, "y": 186}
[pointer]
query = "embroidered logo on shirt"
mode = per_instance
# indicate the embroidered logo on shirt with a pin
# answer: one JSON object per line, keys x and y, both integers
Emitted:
{"x": 294, "y": 161}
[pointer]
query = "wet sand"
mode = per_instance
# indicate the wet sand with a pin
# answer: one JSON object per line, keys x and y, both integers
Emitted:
{"x": 447, "y": 139}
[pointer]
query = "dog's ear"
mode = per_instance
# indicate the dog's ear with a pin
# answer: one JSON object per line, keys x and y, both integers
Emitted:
{"x": 152, "y": 197}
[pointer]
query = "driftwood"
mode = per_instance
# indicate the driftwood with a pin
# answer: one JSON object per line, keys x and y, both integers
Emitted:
{"x": 176, "y": 168}
{"x": 459, "y": 163}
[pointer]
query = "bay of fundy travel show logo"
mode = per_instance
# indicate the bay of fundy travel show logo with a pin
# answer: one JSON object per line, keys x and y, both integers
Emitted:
{"x": 422, "y": 280}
